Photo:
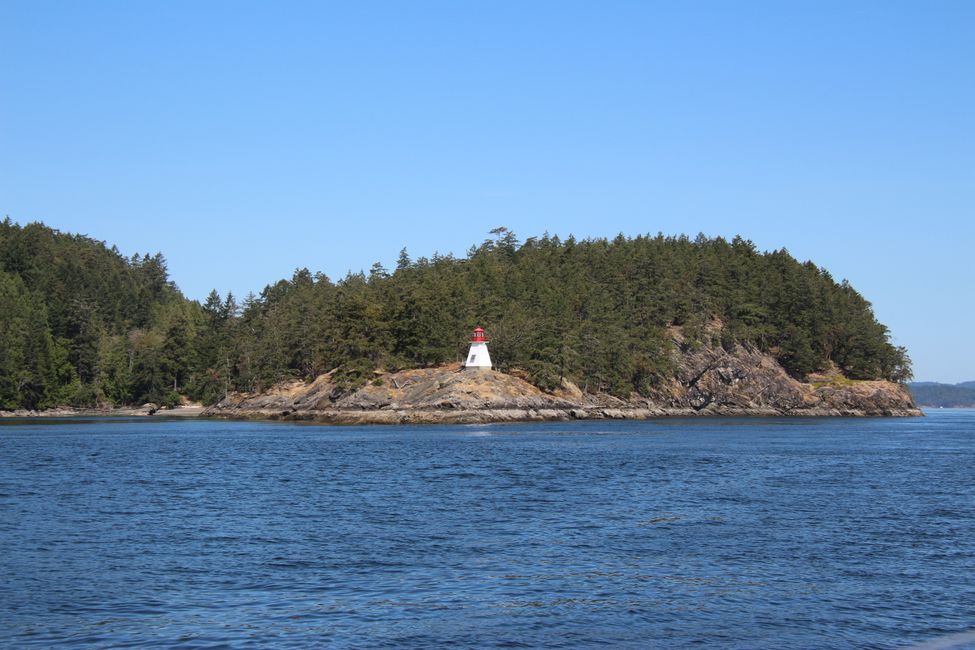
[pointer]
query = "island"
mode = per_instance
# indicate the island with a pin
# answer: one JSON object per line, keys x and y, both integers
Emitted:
{"x": 631, "y": 327}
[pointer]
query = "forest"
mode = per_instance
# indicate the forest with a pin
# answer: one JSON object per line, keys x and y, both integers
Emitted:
{"x": 934, "y": 394}
{"x": 83, "y": 325}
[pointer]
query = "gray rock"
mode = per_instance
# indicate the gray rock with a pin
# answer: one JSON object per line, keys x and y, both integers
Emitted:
{"x": 706, "y": 381}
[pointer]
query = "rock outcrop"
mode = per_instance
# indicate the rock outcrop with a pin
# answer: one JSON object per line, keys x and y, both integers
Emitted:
{"x": 708, "y": 381}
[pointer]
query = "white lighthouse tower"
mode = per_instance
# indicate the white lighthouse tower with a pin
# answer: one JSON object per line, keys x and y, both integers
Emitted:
{"x": 478, "y": 356}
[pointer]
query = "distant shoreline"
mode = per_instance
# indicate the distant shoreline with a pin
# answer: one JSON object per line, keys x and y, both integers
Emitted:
{"x": 946, "y": 408}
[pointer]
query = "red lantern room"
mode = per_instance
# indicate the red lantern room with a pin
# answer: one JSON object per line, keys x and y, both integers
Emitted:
{"x": 478, "y": 357}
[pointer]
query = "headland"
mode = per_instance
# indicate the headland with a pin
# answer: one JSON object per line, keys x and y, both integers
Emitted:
{"x": 707, "y": 382}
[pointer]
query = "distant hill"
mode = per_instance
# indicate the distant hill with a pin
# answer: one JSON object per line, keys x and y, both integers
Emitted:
{"x": 928, "y": 393}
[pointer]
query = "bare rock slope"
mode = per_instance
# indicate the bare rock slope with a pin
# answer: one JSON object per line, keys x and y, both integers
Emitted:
{"x": 709, "y": 381}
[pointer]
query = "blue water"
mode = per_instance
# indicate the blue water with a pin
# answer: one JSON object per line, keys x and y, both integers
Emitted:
{"x": 675, "y": 533}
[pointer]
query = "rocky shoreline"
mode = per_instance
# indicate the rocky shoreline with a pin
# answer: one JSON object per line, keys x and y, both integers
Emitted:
{"x": 707, "y": 382}
{"x": 145, "y": 410}
{"x": 489, "y": 416}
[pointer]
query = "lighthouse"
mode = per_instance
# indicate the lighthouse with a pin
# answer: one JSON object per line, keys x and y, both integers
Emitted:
{"x": 478, "y": 356}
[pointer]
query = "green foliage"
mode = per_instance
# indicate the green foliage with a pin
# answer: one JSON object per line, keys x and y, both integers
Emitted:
{"x": 352, "y": 376}
{"x": 81, "y": 324}
{"x": 30, "y": 357}
{"x": 543, "y": 374}
{"x": 796, "y": 351}
{"x": 594, "y": 311}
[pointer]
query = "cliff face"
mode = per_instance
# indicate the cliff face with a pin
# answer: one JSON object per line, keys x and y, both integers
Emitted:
{"x": 708, "y": 381}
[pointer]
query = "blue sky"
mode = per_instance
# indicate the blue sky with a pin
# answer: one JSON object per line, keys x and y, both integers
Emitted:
{"x": 244, "y": 140}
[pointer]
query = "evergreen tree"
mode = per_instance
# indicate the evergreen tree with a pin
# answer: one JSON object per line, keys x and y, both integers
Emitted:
{"x": 81, "y": 324}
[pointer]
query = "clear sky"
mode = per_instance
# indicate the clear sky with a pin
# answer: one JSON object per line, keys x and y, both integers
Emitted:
{"x": 246, "y": 139}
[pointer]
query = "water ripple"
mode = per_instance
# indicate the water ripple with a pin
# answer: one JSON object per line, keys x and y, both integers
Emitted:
{"x": 677, "y": 533}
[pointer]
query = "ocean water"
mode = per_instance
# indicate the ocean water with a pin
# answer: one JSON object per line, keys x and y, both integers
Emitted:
{"x": 752, "y": 533}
